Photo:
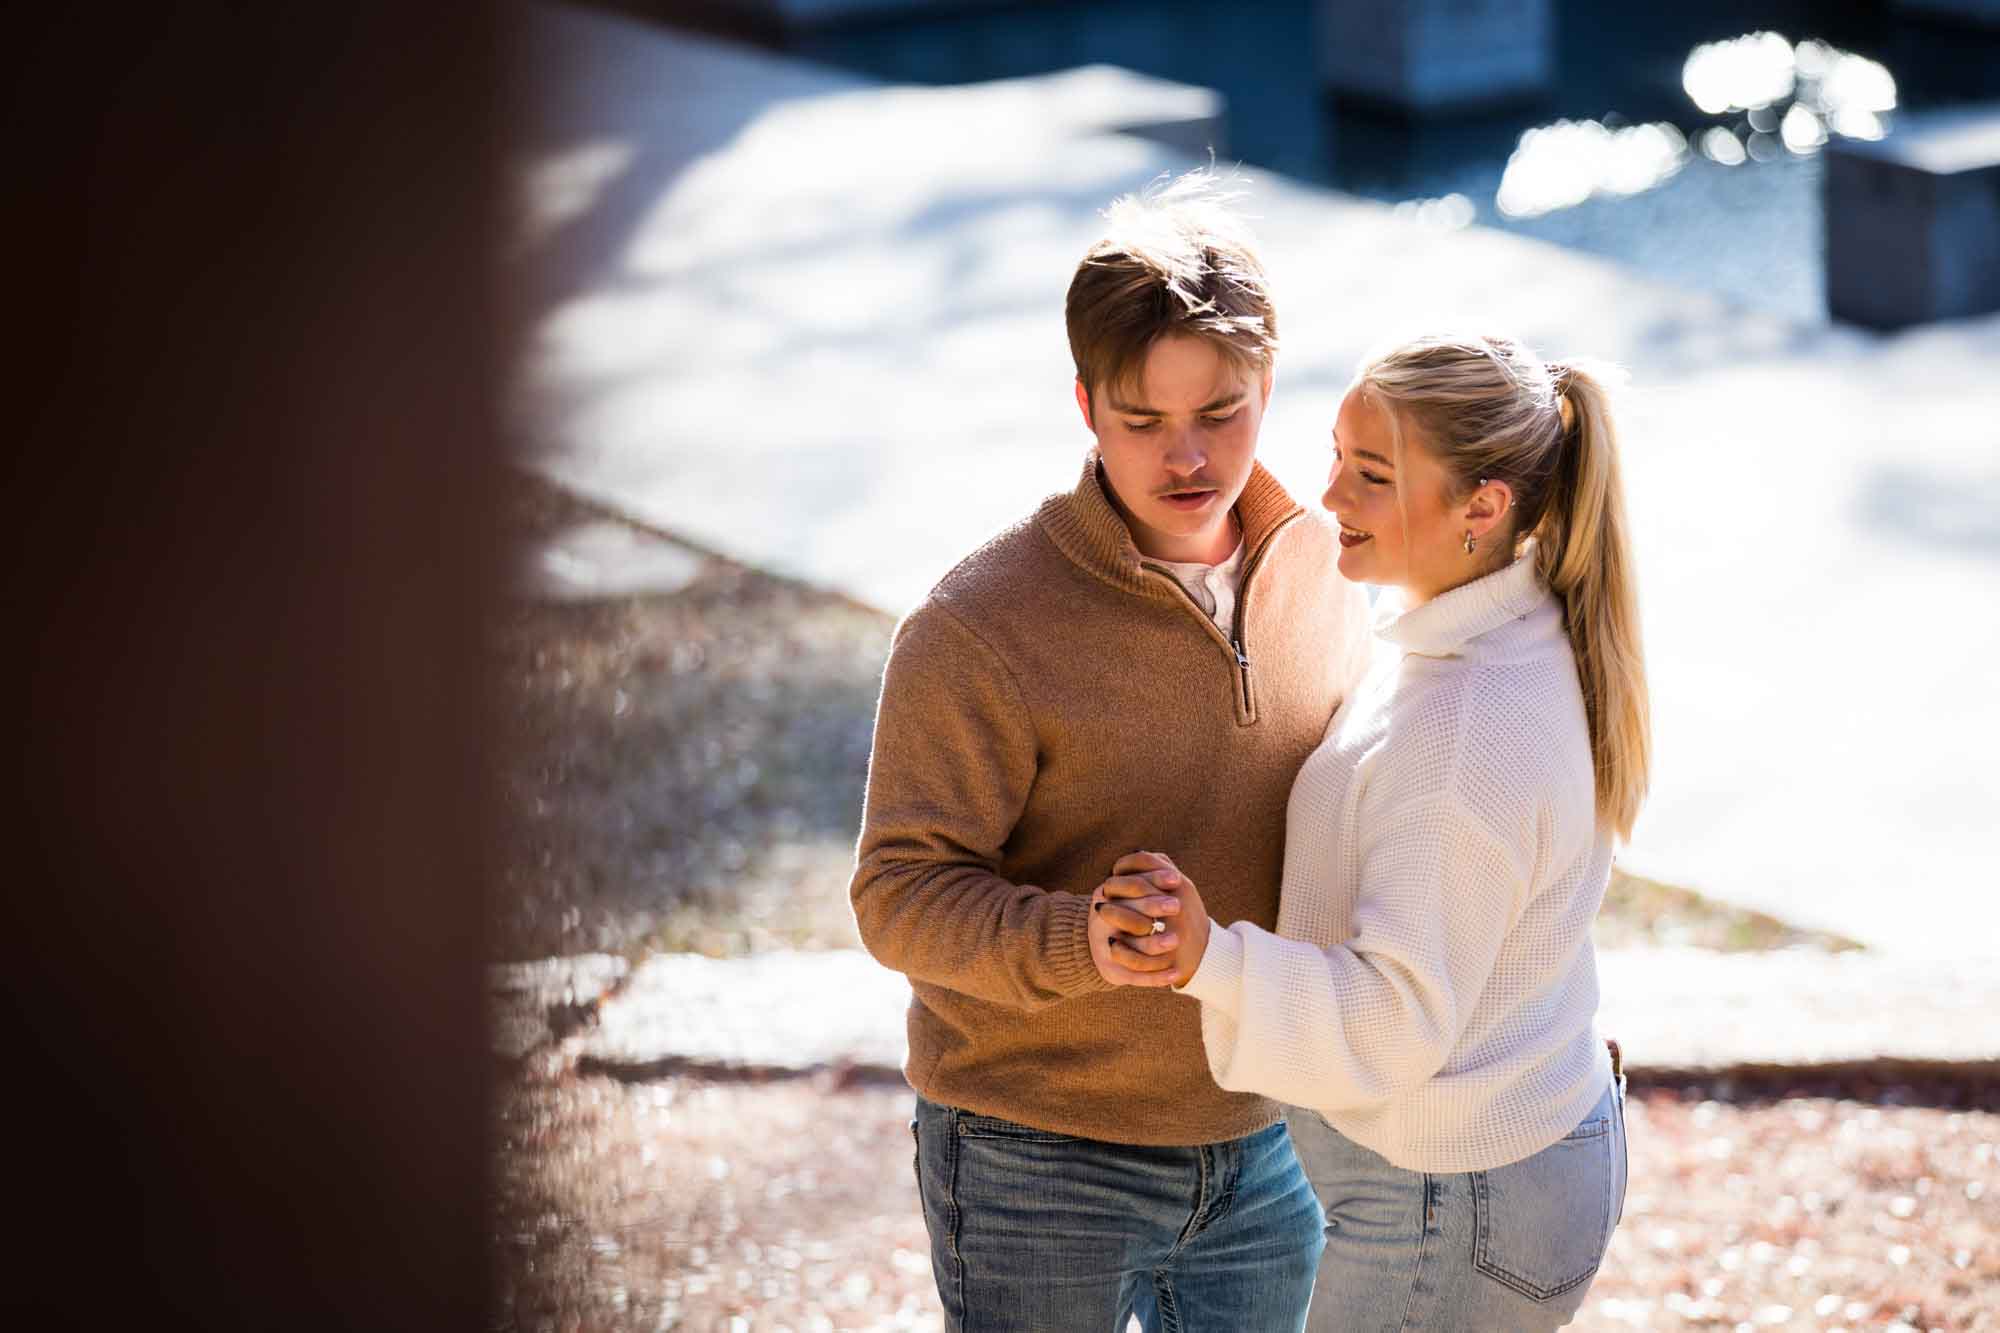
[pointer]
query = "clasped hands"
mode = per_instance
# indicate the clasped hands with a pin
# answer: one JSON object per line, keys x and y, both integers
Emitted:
{"x": 1127, "y": 945}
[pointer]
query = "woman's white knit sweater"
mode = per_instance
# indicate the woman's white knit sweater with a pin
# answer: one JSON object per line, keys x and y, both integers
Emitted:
{"x": 1431, "y": 987}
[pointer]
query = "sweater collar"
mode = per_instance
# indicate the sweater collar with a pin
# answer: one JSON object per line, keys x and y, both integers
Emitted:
{"x": 1088, "y": 529}
{"x": 1443, "y": 626}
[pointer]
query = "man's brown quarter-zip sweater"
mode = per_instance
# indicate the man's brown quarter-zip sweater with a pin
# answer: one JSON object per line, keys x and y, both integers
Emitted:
{"x": 1052, "y": 705}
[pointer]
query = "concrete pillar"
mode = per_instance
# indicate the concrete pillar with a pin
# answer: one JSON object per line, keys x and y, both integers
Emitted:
{"x": 1913, "y": 221}
{"x": 1432, "y": 55}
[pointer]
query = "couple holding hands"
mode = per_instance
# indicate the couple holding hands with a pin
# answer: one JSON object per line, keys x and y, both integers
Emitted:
{"x": 1322, "y": 1054}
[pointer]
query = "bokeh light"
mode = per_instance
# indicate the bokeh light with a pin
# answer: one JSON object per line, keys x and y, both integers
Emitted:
{"x": 1562, "y": 165}
{"x": 1802, "y": 130}
{"x": 1719, "y": 145}
{"x": 1829, "y": 91}
{"x": 1452, "y": 212}
{"x": 1753, "y": 70}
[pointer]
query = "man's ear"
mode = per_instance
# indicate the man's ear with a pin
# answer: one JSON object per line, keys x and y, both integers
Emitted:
{"x": 1083, "y": 405}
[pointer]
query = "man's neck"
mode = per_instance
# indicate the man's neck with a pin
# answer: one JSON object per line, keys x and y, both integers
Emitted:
{"x": 1202, "y": 548}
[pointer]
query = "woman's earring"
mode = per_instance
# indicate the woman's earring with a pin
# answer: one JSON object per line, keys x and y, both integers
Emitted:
{"x": 1470, "y": 542}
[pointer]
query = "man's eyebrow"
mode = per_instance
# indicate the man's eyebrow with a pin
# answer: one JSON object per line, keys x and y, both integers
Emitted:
{"x": 1230, "y": 399}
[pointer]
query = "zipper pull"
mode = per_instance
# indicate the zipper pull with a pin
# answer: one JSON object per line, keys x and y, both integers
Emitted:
{"x": 1241, "y": 660}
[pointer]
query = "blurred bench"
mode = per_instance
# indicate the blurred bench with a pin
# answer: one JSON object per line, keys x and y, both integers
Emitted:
{"x": 1913, "y": 221}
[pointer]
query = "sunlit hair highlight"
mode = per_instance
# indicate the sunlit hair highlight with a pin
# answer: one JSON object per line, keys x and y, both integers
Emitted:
{"x": 1174, "y": 259}
{"x": 1490, "y": 409}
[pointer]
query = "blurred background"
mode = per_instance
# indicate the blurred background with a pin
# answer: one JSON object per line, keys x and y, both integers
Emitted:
{"x": 794, "y": 346}
{"x": 471, "y": 462}
{"x": 1639, "y": 118}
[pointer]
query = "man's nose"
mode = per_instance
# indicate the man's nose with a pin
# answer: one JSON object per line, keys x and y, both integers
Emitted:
{"x": 1185, "y": 455}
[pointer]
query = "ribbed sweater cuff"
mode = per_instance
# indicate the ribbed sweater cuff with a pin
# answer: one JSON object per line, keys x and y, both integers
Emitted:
{"x": 1219, "y": 979}
{"x": 1070, "y": 964}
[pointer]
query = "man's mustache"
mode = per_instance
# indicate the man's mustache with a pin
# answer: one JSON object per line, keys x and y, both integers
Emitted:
{"x": 1197, "y": 483}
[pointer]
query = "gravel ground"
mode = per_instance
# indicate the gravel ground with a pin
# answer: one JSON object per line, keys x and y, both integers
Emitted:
{"x": 681, "y": 772}
{"x": 681, "y": 1203}
{"x": 684, "y": 772}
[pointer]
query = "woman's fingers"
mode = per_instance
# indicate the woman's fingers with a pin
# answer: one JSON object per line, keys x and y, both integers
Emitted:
{"x": 1144, "y": 942}
{"x": 1127, "y": 953}
{"x": 1126, "y": 968}
{"x": 1147, "y": 934}
{"x": 1156, "y": 980}
{"x": 1141, "y": 886}
{"x": 1133, "y": 943}
{"x": 1140, "y": 920}
{"x": 1135, "y": 916}
{"x": 1134, "y": 863}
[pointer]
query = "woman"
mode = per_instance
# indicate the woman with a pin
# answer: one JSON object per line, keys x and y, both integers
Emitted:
{"x": 1428, "y": 999}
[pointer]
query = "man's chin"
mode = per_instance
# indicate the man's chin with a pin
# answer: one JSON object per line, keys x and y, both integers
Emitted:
{"x": 1182, "y": 524}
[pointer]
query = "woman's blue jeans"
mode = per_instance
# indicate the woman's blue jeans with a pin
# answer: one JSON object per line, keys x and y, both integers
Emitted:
{"x": 1038, "y": 1231}
{"x": 1509, "y": 1249}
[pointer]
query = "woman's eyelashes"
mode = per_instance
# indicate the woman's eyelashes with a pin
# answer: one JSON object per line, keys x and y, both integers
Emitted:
{"x": 1366, "y": 475}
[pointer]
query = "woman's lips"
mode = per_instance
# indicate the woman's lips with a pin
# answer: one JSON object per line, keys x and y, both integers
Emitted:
{"x": 1352, "y": 537}
{"x": 1188, "y": 501}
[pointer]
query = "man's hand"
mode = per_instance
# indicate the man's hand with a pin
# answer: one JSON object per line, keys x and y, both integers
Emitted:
{"x": 1132, "y": 939}
{"x": 1139, "y": 879}
{"x": 1141, "y": 917}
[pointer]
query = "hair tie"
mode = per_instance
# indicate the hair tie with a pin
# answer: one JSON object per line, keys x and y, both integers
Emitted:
{"x": 1561, "y": 376}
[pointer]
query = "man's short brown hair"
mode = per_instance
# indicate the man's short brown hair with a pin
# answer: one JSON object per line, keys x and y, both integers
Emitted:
{"x": 1173, "y": 260}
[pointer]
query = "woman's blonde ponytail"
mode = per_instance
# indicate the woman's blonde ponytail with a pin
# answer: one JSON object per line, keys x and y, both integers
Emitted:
{"x": 1583, "y": 554}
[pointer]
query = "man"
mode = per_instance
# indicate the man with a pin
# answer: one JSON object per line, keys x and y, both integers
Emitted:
{"x": 1143, "y": 662}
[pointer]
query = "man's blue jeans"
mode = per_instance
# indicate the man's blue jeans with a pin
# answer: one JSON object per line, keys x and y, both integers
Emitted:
{"x": 1038, "y": 1231}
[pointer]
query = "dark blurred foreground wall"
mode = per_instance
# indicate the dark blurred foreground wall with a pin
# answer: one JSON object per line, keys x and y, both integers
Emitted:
{"x": 251, "y": 444}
